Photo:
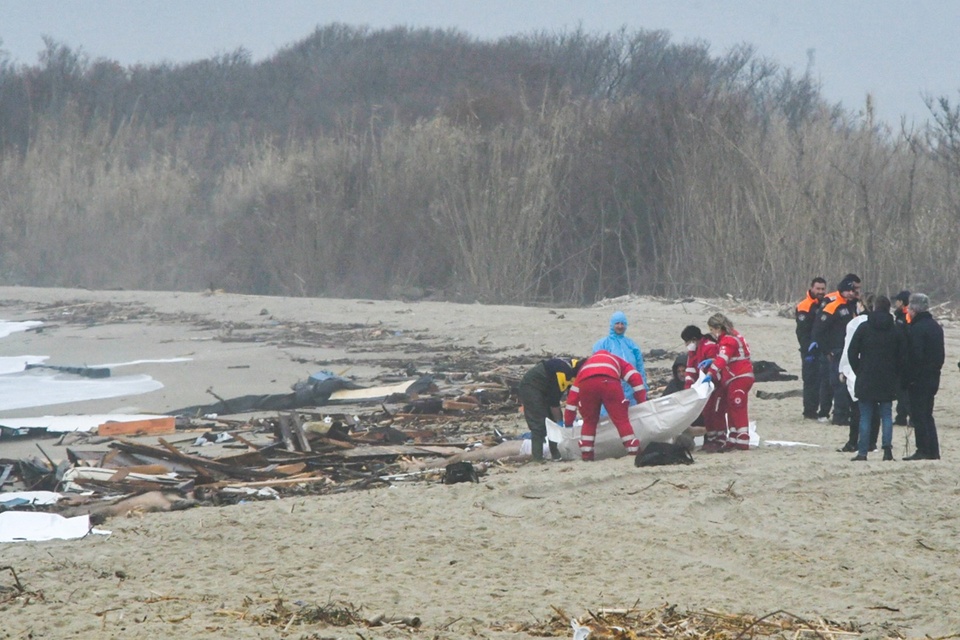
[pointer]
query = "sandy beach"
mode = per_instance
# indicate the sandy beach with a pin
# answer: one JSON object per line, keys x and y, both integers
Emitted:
{"x": 794, "y": 528}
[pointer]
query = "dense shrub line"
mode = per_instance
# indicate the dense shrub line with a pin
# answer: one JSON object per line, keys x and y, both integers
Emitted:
{"x": 545, "y": 168}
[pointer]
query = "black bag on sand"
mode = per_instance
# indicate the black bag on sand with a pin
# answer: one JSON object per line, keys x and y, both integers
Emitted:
{"x": 656, "y": 454}
{"x": 459, "y": 472}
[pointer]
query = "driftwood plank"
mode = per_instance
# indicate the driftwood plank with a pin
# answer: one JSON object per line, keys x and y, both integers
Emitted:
{"x": 203, "y": 466}
{"x": 152, "y": 426}
{"x": 375, "y": 451}
{"x": 286, "y": 432}
{"x": 276, "y": 483}
{"x": 300, "y": 437}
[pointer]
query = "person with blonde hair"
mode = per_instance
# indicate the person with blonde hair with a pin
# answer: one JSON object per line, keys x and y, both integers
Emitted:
{"x": 732, "y": 371}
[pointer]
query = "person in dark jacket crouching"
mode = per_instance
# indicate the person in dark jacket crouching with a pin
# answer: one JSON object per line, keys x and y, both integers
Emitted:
{"x": 541, "y": 390}
{"x": 876, "y": 355}
{"x": 924, "y": 361}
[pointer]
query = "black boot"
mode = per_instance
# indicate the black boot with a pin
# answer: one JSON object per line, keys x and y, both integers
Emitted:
{"x": 536, "y": 447}
{"x": 554, "y": 450}
{"x": 888, "y": 453}
{"x": 852, "y": 439}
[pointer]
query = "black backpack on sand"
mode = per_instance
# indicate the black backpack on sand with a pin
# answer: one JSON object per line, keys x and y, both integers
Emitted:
{"x": 656, "y": 454}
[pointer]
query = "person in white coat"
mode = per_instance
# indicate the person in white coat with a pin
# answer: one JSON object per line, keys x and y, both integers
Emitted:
{"x": 850, "y": 378}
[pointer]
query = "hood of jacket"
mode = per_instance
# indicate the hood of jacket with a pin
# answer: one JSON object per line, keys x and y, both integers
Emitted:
{"x": 880, "y": 320}
{"x": 618, "y": 316}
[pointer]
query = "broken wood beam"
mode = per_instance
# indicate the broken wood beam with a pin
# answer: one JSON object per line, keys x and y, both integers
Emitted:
{"x": 150, "y": 426}
{"x": 203, "y": 466}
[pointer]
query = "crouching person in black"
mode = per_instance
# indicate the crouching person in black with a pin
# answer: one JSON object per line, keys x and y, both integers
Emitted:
{"x": 541, "y": 390}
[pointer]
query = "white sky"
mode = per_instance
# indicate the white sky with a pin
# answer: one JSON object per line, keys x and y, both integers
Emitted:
{"x": 896, "y": 50}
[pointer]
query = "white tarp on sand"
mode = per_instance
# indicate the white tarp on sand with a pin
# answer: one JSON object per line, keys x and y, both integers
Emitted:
{"x": 21, "y": 526}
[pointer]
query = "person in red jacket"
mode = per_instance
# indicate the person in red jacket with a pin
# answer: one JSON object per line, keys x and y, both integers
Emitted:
{"x": 598, "y": 384}
{"x": 732, "y": 371}
{"x": 701, "y": 350}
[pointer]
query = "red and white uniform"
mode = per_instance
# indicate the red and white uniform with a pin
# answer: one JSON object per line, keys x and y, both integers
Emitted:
{"x": 705, "y": 349}
{"x": 733, "y": 373}
{"x": 598, "y": 384}
{"x": 714, "y": 417}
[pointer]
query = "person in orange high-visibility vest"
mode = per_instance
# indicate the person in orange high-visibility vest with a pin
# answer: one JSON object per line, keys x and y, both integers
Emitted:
{"x": 598, "y": 384}
{"x": 806, "y": 314}
{"x": 827, "y": 338}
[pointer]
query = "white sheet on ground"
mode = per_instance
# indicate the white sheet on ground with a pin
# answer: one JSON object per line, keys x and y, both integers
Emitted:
{"x": 787, "y": 443}
{"x": 22, "y": 526}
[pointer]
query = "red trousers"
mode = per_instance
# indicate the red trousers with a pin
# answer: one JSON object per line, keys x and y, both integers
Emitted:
{"x": 735, "y": 394}
{"x": 715, "y": 416}
{"x": 735, "y": 397}
{"x": 608, "y": 392}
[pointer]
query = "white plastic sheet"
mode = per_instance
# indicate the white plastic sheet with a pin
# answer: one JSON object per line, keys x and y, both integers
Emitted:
{"x": 23, "y": 526}
{"x": 656, "y": 420}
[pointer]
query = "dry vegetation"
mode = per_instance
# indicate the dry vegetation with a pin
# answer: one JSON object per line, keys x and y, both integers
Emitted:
{"x": 560, "y": 168}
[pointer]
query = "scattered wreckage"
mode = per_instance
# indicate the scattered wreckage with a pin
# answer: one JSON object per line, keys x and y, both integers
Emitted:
{"x": 328, "y": 435}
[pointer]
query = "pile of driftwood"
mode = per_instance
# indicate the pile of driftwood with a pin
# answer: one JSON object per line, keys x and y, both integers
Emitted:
{"x": 306, "y": 451}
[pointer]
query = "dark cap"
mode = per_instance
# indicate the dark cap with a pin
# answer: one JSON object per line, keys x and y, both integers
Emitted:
{"x": 691, "y": 332}
{"x": 903, "y": 296}
{"x": 846, "y": 285}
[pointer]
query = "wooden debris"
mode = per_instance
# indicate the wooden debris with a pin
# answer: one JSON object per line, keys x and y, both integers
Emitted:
{"x": 152, "y": 426}
{"x": 293, "y": 434}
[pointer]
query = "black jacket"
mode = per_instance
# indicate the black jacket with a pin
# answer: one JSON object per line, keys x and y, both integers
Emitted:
{"x": 550, "y": 378}
{"x": 830, "y": 328}
{"x": 924, "y": 352}
{"x": 877, "y": 355}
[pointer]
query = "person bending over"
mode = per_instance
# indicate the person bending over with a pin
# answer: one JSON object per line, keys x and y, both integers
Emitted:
{"x": 598, "y": 384}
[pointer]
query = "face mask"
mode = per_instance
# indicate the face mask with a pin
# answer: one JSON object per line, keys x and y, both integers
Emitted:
{"x": 692, "y": 346}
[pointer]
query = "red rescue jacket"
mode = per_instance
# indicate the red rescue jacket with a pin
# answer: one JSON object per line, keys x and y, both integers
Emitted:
{"x": 603, "y": 363}
{"x": 706, "y": 350}
{"x": 733, "y": 359}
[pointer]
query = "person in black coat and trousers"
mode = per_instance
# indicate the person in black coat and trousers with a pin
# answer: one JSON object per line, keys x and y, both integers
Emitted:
{"x": 924, "y": 361}
{"x": 876, "y": 355}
